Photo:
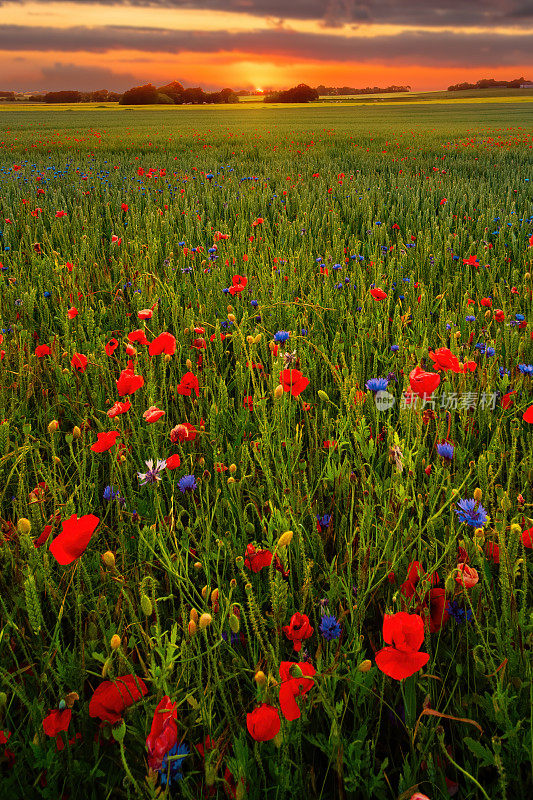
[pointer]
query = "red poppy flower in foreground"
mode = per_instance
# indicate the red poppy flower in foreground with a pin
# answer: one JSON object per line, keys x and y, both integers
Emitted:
{"x": 185, "y": 432}
{"x": 112, "y": 698}
{"x": 128, "y": 382}
{"x": 263, "y": 723}
{"x": 138, "y": 337}
{"x": 146, "y": 313}
{"x": 164, "y": 343}
{"x": 293, "y": 381}
{"x": 405, "y": 632}
{"x": 173, "y": 462}
{"x": 423, "y": 383}
{"x": 291, "y": 687}
{"x": 57, "y": 721}
{"x": 378, "y": 294}
{"x": 119, "y": 408}
{"x": 163, "y": 733}
{"x": 153, "y": 414}
{"x": 111, "y": 346}
{"x": 444, "y": 359}
{"x": 42, "y": 350}
{"x": 239, "y": 284}
{"x": 105, "y": 441}
{"x": 297, "y": 630}
{"x": 257, "y": 559}
{"x": 74, "y": 537}
{"x": 527, "y": 538}
{"x": 467, "y": 576}
{"x": 79, "y": 362}
{"x": 528, "y": 415}
{"x": 188, "y": 384}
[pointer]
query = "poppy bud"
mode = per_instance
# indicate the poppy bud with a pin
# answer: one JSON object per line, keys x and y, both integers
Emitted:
{"x": 146, "y": 605}
{"x": 76, "y": 432}
{"x": 285, "y": 539}
{"x": 232, "y": 317}
{"x": 478, "y": 495}
{"x": 323, "y": 396}
{"x": 214, "y": 596}
{"x": 278, "y": 392}
{"x": 53, "y": 426}
{"x": 115, "y": 641}
{"x": 204, "y": 621}
{"x": 229, "y": 309}
{"x": 197, "y": 565}
{"x": 505, "y": 503}
{"x": 239, "y": 561}
{"x": 201, "y": 462}
{"x": 233, "y": 468}
{"x": 119, "y": 731}
{"x": 487, "y": 313}
{"x": 167, "y": 357}
{"x": 257, "y": 338}
{"x": 192, "y": 628}
{"x": 250, "y": 339}
{"x": 364, "y": 666}
{"x": 260, "y": 678}
{"x": 457, "y": 334}
{"x": 234, "y": 623}
{"x": 109, "y": 559}
{"x": 231, "y": 481}
{"x": 57, "y": 460}
{"x": 186, "y": 331}
{"x": 204, "y": 592}
{"x": 233, "y": 583}
{"x": 188, "y": 364}
{"x": 23, "y": 525}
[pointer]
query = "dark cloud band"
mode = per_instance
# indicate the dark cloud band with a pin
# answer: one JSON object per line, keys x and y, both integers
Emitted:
{"x": 423, "y": 48}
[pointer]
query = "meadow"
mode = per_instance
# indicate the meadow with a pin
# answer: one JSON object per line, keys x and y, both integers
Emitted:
{"x": 266, "y": 417}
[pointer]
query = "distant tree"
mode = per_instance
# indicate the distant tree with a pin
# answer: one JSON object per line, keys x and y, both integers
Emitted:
{"x": 174, "y": 90}
{"x": 62, "y": 97}
{"x": 298, "y": 94}
{"x": 140, "y": 96}
{"x": 9, "y": 96}
{"x": 36, "y": 98}
{"x": 194, "y": 96}
{"x": 488, "y": 83}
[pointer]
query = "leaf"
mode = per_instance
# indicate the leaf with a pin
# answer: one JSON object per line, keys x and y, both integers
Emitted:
{"x": 485, "y": 756}
{"x": 429, "y": 712}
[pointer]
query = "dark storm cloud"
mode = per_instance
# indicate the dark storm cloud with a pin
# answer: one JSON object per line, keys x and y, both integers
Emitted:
{"x": 424, "y": 48}
{"x": 72, "y": 76}
{"x": 422, "y": 13}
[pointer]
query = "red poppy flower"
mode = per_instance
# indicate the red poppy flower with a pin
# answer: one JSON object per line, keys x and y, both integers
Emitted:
{"x": 124, "y": 207}
{"x": 163, "y": 733}
{"x": 164, "y": 343}
{"x": 444, "y": 359}
{"x": 257, "y": 559}
{"x": 79, "y": 362}
{"x": 188, "y": 384}
{"x": 492, "y": 551}
{"x": 423, "y": 383}
{"x": 248, "y": 402}
{"x": 499, "y": 315}
{"x": 173, "y": 461}
{"x": 146, "y": 313}
{"x": 467, "y": 576}
{"x": 469, "y": 366}
{"x": 263, "y": 723}
{"x": 378, "y": 294}
{"x": 60, "y": 214}
{"x": 153, "y": 414}
{"x": 405, "y": 632}
{"x": 72, "y": 312}
{"x": 293, "y": 381}
{"x": 239, "y": 284}
{"x": 438, "y": 609}
{"x": 527, "y": 416}
{"x": 111, "y": 346}
{"x": 291, "y": 687}
{"x": 185, "y": 432}
{"x": 74, "y": 537}
{"x": 128, "y": 382}
{"x": 106, "y": 440}
{"x": 119, "y": 408}
{"x": 297, "y": 630}
{"x": 415, "y": 572}
{"x": 42, "y": 350}
{"x": 57, "y": 721}
{"x": 138, "y": 337}
{"x": 507, "y": 401}
{"x": 112, "y": 698}
{"x": 527, "y": 538}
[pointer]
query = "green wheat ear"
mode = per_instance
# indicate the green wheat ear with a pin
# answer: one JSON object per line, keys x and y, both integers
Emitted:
{"x": 33, "y": 605}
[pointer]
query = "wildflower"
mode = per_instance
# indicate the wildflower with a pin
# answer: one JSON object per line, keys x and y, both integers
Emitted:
{"x": 153, "y": 414}
{"x": 323, "y": 523}
{"x": 329, "y": 627}
{"x": 255, "y": 560}
{"x": 281, "y": 337}
{"x": 138, "y": 337}
{"x": 467, "y": 576}
{"x": 472, "y": 513}
{"x": 527, "y": 416}
{"x": 119, "y": 408}
{"x": 128, "y": 382}
{"x": 152, "y": 475}
{"x": 112, "y": 698}
{"x": 238, "y": 284}
{"x": 445, "y": 360}
{"x": 187, "y": 484}
{"x": 163, "y": 733}
{"x": 74, "y": 537}
{"x": 164, "y": 343}
{"x": 293, "y": 687}
{"x": 423, "y": 383}
{"x": 146, "y": 313}
{"x": 527, "y": 538}
{"x": 263, "y": 723}
{"x": 377, "y": 384}
{"x": 185, "y": 432}
{"x": 298, "y": 629}
{"x": 394, "y": 348}
{"x": 188, "y": 384}
{"x": 445, "y": 450}
{"x": 405, "y": 632}
{"x": 378, "y": 294}
{"x": 293, "y": 381}
{"x": 457, "y": 613}
{"x": 111, "y": 346}
{"x": 105, "y": 441}
{"x": 171, "y": 766}
{"x": 79, "y": 362}
{"x": 526, "y": 369}
{"x": 173, "y": 462}
{"x": 110, "y": 494}
{"x": 42, "y": 350}
{"x": 72, "y": 312}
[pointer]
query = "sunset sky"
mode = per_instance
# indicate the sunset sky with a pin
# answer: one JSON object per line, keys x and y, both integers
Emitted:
{"x": 116, "y": 44}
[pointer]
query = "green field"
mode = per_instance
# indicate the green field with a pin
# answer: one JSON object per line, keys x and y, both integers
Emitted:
{"x": 316, "y": 325}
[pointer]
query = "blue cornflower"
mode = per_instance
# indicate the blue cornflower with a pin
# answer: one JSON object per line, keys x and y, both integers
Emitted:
{"x": 337, "y": 266}
{"x": 472, "y": 513}
{"x": 281, "y": 336}
{"x": 377, "y": 384}
{"x": 526, "y": 369}
{"x": 324, "y": 522}
{"x": 152, "y": 475}
{"x": 470, "y": 318}
{"x": 171, "y": 765}
{"x": 304, "y": 331}
{"x": 460, "y": 615}
{"x": 329, "y": 628}
{"x": 395, "y": 348}
{"x": 489, "y": 352}
{"x": 187, "y": 484}
{"x": 519, "y": 317}
{"x": 254, "y": 303}
{"x": 47, "y": 294}
{"x": 445, "y": 450}
{"x": 110, "y": 494}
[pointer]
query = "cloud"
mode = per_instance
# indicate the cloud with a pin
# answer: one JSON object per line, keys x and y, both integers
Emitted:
{"x": 417, "y": 13}
{"x": 435, "y": 49}
{"x": 71, "y": 76}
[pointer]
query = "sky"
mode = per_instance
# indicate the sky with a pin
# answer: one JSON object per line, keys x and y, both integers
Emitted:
{"x": 257, "y": 44}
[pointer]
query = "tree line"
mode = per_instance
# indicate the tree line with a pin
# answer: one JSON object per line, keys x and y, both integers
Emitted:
{"x": 488, "y": 83}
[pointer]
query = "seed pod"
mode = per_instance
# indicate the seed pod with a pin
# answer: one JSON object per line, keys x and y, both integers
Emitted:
{"x": 323, "y": 396}
{"x": 365, "y": 665}
{"x": 146, "y": 605}
{"x": 234, "y": 623}
{"x": 53, "y": 426}
{"x": 188, "y": 364}
{"x": 232, "y": 317}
